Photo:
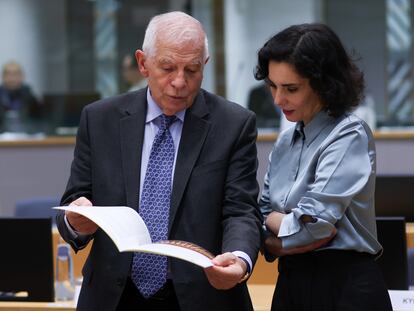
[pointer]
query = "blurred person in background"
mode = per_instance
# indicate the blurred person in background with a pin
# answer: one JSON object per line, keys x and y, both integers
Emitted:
{"x": 131, "y": 74}
{"x": 260, "y": 101}
{"x": 18, "y": 105}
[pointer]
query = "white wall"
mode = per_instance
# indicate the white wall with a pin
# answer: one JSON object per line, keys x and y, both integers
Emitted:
{"x": 36, "y": 171}
{"x": 32, "y": 33}
{"x": 32, "y": 171}
{"x": 248, "y": 24}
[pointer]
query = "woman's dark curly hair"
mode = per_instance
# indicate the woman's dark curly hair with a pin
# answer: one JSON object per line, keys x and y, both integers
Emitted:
{"x": 317, "y": 54}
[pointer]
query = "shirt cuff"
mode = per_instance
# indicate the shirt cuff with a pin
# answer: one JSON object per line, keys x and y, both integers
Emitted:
{"x": 245, "y": 258}
{"x": 75, "y": 235}
{"x": 289, "y": 226}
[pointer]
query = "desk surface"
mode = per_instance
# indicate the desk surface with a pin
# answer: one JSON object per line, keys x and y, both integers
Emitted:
{"x": 46, "y": 141}
{"x": 266, "y": 137}
{"x": 261, "y": 297}
{"x": 37, "y": 306}
{"x": 409, "y": 229}
{"x": 378, "y": 135}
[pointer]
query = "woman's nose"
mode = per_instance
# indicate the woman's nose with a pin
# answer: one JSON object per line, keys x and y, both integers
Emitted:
{"x": 279, "y": 98}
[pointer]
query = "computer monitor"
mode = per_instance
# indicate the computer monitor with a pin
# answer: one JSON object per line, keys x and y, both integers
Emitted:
{"x": 393, "y": 196}
{"x": 393, "y": 262}
{"x": 63, "y": 110}
{"x": 26, "y": 261}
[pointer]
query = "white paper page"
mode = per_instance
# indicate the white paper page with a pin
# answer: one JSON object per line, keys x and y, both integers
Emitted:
{"x": 122, "y": 224}
{"x": 177, "y": 252}
{"x": 129, "y": 232}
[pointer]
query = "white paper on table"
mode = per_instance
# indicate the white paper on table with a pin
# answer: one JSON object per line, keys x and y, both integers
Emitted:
{"x": 129, "y": 233}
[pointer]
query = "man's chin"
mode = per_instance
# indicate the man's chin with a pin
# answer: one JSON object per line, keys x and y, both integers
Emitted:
{"x": 173, "y": 109}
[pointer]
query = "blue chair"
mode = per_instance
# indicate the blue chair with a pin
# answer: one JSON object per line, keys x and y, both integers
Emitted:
{"x": 39, "y": 207}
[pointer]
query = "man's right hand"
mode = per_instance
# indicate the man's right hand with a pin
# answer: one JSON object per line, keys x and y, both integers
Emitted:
{"x": 79, "y": 223}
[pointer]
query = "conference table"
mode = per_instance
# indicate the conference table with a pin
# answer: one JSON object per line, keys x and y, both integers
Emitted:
{"x": 37, "y": 306}
{"x": 261, "y": 284}
{"x": 260, "y": 293}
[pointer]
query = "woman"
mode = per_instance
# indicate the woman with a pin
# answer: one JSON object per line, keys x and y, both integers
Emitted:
{"x": 318, "y": 195}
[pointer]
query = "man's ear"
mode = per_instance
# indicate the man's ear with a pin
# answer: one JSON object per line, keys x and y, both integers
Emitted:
{"x": 141, "y": 60}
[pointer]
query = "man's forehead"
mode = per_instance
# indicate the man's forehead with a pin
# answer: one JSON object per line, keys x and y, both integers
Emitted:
{"x": 174, "y": 59}
{"x": 190, "y": 50}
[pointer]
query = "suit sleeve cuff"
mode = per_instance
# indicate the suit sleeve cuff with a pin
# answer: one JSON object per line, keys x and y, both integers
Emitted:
{"x": 243, "y": 256}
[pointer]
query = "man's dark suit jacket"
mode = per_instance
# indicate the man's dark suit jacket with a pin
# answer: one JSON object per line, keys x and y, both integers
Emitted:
{"x": 213, "y": 199}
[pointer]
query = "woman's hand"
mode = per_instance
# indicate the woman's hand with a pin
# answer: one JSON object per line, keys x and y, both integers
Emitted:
{"x": 273, "y": 222}
{"x": 274, "y": 246}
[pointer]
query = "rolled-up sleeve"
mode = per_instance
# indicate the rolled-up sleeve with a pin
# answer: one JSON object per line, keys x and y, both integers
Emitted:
{"x": 343, "y": 169}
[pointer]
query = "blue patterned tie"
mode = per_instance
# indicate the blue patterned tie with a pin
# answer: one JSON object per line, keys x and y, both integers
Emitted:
{"x": 149, "y": 272}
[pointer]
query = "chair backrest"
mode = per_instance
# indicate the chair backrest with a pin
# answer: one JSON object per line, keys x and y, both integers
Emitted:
{"x": 40, "y": 207}
{"x": 393, "y": 262}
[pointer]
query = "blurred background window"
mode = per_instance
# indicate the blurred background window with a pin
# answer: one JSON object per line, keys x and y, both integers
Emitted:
{"x": 73, "y": 52}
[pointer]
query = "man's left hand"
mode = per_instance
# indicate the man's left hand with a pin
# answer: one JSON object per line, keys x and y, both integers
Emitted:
{"x": 227, "y": 271}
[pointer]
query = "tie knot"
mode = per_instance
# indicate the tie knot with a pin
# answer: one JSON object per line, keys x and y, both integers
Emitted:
{"x": 166, "y": 121}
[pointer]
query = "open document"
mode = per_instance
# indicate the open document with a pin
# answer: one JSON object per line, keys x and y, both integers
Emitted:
{"x": 130, "y": 234}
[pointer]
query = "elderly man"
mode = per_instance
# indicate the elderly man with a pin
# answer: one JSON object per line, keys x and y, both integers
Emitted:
{"x": 186, "y": 160}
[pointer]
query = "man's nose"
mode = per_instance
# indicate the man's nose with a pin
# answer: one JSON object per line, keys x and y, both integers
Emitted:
{"x": 179, "y": 80}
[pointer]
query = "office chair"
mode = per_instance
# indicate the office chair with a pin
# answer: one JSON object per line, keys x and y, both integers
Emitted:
{"x": 39, "y": 207}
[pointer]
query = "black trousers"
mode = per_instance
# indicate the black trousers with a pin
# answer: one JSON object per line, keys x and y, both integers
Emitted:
{"x": 331, "y": 280}
{"x": 132, "y": 300}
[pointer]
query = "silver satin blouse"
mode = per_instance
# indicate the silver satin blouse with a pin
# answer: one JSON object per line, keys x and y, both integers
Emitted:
{"x": 326, "y": 170}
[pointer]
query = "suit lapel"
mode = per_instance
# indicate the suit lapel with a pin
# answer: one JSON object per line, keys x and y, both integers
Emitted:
{"x": 132, "y": 127}
{"x": 194, "y": 133}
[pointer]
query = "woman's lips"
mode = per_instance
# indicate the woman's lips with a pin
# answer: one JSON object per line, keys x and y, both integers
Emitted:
{"x": 288, "y": 112}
